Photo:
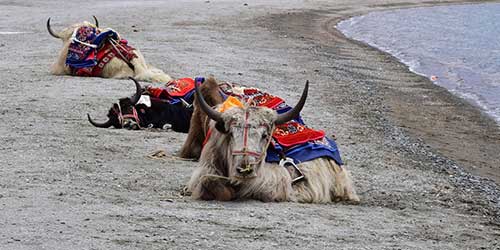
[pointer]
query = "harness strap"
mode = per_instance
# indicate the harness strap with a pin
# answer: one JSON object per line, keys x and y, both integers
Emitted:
{"x": 207, "y": 136}
{"x": 114, "y": 43}
{"x": 134, "y": 116}
{"x": 105, "y": 54}
{"x": 295, "y": 173}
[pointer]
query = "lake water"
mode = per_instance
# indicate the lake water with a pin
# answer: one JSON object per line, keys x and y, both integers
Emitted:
{"x": 458, "y": 47}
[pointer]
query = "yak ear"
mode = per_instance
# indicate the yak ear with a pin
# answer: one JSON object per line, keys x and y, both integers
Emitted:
{"x": 221, "y": 127}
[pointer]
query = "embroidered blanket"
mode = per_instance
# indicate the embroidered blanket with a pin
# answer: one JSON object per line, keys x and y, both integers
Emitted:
{"x": 90, "y": 50}
{"x": 81, "y": 51}
{"x": 174, "y": 91}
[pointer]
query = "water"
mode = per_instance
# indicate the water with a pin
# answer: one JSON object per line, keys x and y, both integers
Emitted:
{"x": 458, "y": 47}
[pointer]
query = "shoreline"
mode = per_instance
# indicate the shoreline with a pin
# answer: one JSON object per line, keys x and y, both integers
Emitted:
{"x": 414, "y": 60}
{"x": 438, "y": 122}
{"x": 477, "y": 118}
{"x": 485, "y": 121}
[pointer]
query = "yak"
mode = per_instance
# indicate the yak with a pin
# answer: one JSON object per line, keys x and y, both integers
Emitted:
{"x": 198, "y": 127}
{"x": 91, "y": 51}
{"x": 134, "y": 113}
{"x": 232, "y": 164}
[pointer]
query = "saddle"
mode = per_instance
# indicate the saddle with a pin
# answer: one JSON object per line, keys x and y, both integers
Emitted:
{"x": 176, "y": 91}
{"x": 90, "y": 50}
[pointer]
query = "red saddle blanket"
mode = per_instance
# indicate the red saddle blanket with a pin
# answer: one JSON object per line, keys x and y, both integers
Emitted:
{"x": 293, "y": 133}
{"x": 173, "y": 89}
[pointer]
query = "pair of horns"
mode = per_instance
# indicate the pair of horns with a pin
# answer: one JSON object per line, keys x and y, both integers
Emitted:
{"x": 282, "y": 118}
{"x": 54, "y": 34}
{"x": 134, "y": 99}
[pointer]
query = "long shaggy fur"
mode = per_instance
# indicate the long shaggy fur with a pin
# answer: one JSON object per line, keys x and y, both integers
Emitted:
{"x": 116, "y": 68}
{"x": 324, "y": 182}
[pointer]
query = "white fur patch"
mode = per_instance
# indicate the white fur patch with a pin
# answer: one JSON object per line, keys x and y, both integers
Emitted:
{"x": 145, "y": 100}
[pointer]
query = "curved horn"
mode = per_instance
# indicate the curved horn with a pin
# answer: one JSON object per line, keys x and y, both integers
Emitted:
{"x": 51, "y": 32}
{"x": 96, "y": 21}
{"x": 214, "y": 115}
{"x": 282, "y": 118}
{"x": 99, "y": 125}
{"x": 138, "y": 91}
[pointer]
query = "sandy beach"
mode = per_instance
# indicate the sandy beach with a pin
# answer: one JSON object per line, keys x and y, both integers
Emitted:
{"x": 65, "y": 184}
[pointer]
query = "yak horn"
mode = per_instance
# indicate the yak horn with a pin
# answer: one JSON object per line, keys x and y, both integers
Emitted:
{"x": 99, "y": 125}
{"x": 96, "y": 21}
{"x": 51, "y": 32}
{"x": 282, "y": 118}
{"x": 214, "y": 115}
{"x": 138, "y": 91}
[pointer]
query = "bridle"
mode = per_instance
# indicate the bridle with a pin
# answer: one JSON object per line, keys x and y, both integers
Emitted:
{"x": 245, "y": 152}
{"x": 122, "y": 117}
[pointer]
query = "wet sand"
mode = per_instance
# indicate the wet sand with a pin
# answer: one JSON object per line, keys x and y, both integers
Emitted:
{"x": 67, "y": 185}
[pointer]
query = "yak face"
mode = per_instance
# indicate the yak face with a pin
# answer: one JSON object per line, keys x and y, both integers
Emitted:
{"x": 59, "y": 67}
{"x": 129, "y": 117}
{"x": 120, "y": 115}
{"x": 249, "y": 133}
{"x": 246, "y": 132}
{"x": 66, "y": 33}
{"x": 123, "y": 114}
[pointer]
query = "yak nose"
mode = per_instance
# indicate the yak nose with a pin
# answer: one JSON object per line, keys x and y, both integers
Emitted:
{"x": 247, "y": 170}
{"x": 129, "y": 124}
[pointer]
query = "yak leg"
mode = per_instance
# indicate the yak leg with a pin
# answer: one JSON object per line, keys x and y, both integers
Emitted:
{"x": 325, "y": 182}
{"x": 194, "y": 141}
{"x": 146, "y": 72}
{"x": 344, "y": 187}
{"x": 215, "y": 187}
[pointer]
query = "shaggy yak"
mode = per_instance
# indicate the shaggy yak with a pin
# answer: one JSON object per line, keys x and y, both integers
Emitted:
{"x": 233, "y": 161}
{"x": 144, "y": 111}
{"x": 91, "y": 51}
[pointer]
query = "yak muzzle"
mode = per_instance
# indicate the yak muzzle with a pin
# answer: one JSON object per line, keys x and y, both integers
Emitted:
{"x": 131, "y": 124}
{"x": 246, "y": 172}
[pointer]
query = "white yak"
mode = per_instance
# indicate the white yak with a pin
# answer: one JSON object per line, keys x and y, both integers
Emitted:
{"x": 116, "y": 66}
{"x": 232, "y": 163}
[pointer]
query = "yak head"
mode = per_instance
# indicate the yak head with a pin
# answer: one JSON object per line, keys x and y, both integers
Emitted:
{"x": 66, "y": 33}
{"x": 123, "y": 114}
{"x": 246, "y": 133}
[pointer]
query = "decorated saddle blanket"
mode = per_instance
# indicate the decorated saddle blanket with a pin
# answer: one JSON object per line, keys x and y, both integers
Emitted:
{"x": 90, "y": 50}
{"x": 293, "y": 139}
{"x": 175, "y": 91}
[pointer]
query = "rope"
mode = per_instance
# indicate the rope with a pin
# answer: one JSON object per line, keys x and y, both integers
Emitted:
{"x": 114, "y": 43}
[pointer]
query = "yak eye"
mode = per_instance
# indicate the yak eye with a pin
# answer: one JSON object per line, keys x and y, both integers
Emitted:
{"x": 264, "y": 135}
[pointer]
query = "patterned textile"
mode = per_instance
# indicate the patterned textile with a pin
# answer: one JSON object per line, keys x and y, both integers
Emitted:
{"x": 81, "y": 51}
{"x": 293, "y": 133}
{"x": 90, "y": 50}
{"x": 174, "y": 90}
